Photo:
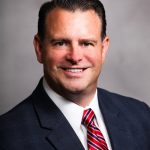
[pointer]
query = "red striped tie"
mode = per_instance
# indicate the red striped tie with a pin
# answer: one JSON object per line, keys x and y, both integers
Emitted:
{"x": 95, "y": 139}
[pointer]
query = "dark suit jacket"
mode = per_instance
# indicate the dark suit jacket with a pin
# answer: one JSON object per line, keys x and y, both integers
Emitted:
{"x": 37, "y": 124}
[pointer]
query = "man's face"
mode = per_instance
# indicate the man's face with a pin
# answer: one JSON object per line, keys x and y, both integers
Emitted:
{"x": 72, "y": 52}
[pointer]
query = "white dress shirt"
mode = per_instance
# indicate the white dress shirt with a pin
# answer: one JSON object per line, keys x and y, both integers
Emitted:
{"x": 74, "y": 112}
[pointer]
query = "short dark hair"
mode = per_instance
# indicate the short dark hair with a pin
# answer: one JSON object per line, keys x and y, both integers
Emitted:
{"x": 71, "y": 5}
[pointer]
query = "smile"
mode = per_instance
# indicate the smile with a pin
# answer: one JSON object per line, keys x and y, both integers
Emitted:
{"x": 74, "y": 70}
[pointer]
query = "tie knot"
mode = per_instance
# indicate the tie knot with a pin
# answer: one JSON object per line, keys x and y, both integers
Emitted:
{"x": 88, "y": 116}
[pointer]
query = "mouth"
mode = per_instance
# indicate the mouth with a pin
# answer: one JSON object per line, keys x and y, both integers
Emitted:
{"x": 74, "y": 70}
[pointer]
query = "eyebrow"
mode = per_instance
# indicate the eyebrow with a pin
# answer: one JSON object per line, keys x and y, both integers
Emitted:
{"x": 52, "y": 40}
{"x": 88, "y": 40}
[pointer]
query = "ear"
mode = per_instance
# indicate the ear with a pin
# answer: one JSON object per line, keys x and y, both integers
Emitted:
{"x": 38, "y": 48}
{"x": 105, "y": 46}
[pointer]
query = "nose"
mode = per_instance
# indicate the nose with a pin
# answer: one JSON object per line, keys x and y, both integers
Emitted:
{"x": 75, "y": 54}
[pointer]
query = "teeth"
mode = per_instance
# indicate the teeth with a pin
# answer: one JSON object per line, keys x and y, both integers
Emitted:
{"x": 74, "y": 70}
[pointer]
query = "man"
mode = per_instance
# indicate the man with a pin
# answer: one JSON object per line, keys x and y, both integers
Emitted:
{"x": 71, "y": 43}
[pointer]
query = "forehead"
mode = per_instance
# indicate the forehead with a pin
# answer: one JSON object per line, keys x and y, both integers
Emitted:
{"x": 61, "y": 20}
{"x": 62, "y": 15}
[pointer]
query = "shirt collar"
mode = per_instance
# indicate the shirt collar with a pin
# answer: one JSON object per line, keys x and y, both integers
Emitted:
{"x": 71, "y": 111}
{"x": 95, "y": 107}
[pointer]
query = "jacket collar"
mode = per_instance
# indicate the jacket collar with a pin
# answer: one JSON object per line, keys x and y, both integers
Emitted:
{"x": 60, "y": 135}
{"x": 116, "y": 121}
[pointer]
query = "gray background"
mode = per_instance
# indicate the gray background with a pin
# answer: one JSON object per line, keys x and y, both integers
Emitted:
{"x": 127, "y": 68}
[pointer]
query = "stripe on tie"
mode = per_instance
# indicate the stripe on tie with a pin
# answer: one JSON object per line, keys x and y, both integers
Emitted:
{"x": 95, "y": 138}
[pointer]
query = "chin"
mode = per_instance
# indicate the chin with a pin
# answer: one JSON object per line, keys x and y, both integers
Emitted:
{"x": 75, "y": 89}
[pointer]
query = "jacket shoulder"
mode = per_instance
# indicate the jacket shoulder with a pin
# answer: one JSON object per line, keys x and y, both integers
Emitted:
{"x": 23, "y": 110}
{"x": 17, "y": 115}
{"x": 123, "y": 103}
{"x": 119, "y": 98}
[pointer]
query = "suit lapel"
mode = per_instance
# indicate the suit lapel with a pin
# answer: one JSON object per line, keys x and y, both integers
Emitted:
{"x": 64, "y": 138}
{"x": 116, "y": 123}
{"x": 60, "y": 134}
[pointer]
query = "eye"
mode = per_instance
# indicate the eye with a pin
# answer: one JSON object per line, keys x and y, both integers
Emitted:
{"x": 87, "y": 44}
{"x": 59, "y": 43}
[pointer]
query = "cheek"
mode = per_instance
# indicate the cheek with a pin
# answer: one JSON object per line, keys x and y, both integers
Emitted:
{"x": 95, "y": 58}
{"x": 53, "y": 59}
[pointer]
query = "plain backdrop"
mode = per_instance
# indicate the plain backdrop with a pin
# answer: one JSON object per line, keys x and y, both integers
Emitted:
{"x": 127, "y": 67}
